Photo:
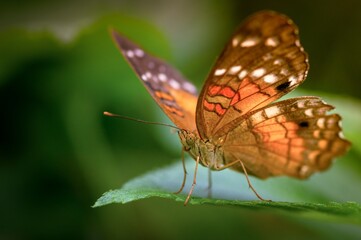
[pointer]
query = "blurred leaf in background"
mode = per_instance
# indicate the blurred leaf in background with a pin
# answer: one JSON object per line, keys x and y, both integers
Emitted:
{"x": 59, "y": 71}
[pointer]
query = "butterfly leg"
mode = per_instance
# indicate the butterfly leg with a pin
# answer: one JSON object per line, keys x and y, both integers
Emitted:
{"x": 184, "y": 173}
{"x": 209, "y": 183}
{"x": 249, "y": 183}
{"x": 246, "y": 174}
{"x": 194, "y": 182}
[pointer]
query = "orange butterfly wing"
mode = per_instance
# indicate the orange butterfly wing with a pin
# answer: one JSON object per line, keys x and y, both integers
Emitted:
{"x": 294, "y": 137}
{"x": 176, "y": 96}
{"x": 263, "y": 61}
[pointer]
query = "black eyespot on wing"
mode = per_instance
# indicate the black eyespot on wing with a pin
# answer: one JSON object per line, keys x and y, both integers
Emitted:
{"x": 303, "y": 124}
{"x": 283, "y": 86}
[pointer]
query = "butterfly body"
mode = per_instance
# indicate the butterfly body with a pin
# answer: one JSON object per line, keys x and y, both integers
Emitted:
{"x": 210, "y": 153}
{"x": 236, "y": 122}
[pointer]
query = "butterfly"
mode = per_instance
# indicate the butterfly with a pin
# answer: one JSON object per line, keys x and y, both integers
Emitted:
{"x": 235, "y": 122}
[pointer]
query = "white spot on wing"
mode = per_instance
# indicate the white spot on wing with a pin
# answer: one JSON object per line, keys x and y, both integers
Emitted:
{"x": 250, "y": 42}
{"x": 162, "y": 77}
{"x": 278, "y": 61}
{"x": 234, "y": 69}
{"x": 219, "y": 72}
{"x": 130, "y": 53}
{"x": 148, "y": 75}
{"x": 139, "y": 52}
{"x": 293, "y": 80}
{"x": 174, "y": 84}
{"x": 301, "y": 104}
{"x": 272, "y": 111}
{"x": 189, "y": 87}
{"x": 144, "y": 77}
{"x": 242, "y": 74}
{"x": 321, "y": 123}
{"x": 258, "y": 72}
{"x": 305, "y": 171}
{"x": 340, "y": 134}
{"x": 257, "y": 118}
{"x": 270, "y": 78}
{"x": 272, "y": 42}
{"x": 309, "y": 112}
{"x": 235, "y": 41}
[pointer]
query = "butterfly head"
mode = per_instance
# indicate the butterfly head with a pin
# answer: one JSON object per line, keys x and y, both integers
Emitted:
{"x": 188, "y": 139}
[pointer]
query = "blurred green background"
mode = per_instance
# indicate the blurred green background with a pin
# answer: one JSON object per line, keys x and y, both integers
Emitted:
{"x": 59, "y": 70}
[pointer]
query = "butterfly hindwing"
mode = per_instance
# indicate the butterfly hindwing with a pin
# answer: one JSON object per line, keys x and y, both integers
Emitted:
{"x": 294, "y": 137}
{"x": 263, "y": 61}
{"x": 175, "y": 95}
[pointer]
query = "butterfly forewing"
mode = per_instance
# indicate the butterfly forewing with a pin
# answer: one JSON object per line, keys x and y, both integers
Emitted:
{"x": 294, "y": 137}
{"x": 263, "y": 61}
{"x": 175, "y": 95}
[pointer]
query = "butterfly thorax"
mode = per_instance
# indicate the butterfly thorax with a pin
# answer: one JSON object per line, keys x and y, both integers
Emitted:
{"x": 210, "y": 154}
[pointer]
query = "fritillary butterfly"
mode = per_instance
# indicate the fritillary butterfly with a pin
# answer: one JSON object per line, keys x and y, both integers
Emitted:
{"x": 233, "y": 122}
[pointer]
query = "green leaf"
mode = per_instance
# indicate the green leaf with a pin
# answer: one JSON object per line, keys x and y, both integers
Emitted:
{"x": 161, "y": 183}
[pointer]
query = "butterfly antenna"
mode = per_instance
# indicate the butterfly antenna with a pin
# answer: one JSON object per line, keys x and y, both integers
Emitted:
{"x": 139, "y": 120}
